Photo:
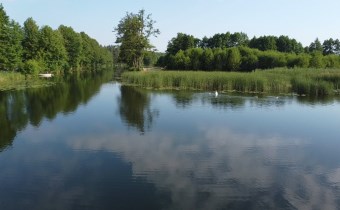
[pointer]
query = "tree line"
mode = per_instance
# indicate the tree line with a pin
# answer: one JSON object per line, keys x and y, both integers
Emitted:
{"x": 236, "y": 52}
{"x": 31, "y": 49}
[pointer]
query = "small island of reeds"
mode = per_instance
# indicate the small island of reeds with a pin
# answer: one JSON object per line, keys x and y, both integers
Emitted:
{"x": 314, "y": 82}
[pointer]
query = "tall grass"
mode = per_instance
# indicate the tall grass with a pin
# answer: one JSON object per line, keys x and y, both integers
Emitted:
{"x": 15, "y": 80}
{"x": 301, "y": 81}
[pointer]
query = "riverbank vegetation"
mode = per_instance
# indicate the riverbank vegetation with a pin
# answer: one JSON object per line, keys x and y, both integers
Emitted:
{"x": 235, "y": 52}
{"x": 30, "y": 49}
{"x": 280, "y": 81}
{"x": 17, "y": 81}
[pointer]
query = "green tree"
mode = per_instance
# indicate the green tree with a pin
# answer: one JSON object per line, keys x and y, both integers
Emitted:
{"x": 151, "y": 58}
{"x": 133, "y": 33}
{"x": 30, "y": 42}
{"x": 181, "y": 61}
{"x": 182, "y": 42}
{"x": 220, "y": 58}
{"x": 4, "y": 38}
{"x": 73, "y": 46}
{"x": 238, "y": 39}
{"x": 10, "y": 43}
{"x": 315, "y": 46}
{"x": 53, "y": 50}
{"x": 208, "y": 59}
{"x": 263, "y": 43}
{"x": 195, "y": 55}
{"x": 88, "y": 59}
{"x": 249, "y": 59}
{"x": 331, "y": 46}
{"x": 233, "y": 59}
{"x": 14, "y": 50}
{"x": 285, "y": 44}
{"x": 316, "y": 61}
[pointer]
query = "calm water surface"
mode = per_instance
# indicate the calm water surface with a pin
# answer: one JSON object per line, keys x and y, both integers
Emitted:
{"x": 93, "y": 144}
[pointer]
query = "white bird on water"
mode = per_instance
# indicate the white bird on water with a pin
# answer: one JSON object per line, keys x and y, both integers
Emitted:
{"x": 216, "y": 93}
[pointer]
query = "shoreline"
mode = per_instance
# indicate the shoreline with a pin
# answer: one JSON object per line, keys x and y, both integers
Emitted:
{"x": 312, "y": 82}
{"x": 17, "y": 81}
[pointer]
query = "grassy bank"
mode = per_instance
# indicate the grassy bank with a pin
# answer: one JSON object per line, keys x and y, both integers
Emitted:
{"x": 17, "y": 81}
{"x": 301, "y": 81}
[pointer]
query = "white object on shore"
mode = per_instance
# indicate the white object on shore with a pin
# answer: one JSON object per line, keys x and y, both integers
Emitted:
{"x": 46, "y": 75}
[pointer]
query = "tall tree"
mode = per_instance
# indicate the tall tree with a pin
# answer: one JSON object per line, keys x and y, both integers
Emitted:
{"x": 14, "y": 50}
{"x": 208, "y": 59}
{"x": 10, "y": 42}
{"x": 238, "y": 39}
{"x": 30, "y": 42}
{"x": 73, "y": 46}
{"x": 233, "y": 59}
{"x": 182, "y": 42}
{"x": 4, "y": 24}
{"x": 53, "y": 50}
{"x": 315, "y": 46}
{"x": 263, "y": 43}
{"x": 133, "y": 33}
{"x": 331, "y": 46}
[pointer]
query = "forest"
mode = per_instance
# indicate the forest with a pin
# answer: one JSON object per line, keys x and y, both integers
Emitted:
{"x": 236, "y": 52}
{"x": 31, "y": 49}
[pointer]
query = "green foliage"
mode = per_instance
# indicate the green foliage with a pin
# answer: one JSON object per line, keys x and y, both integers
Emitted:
{"x": 316, "y": 60}
{"x": 18, "y": 81}
{"x": 225, "y": 40}
{"x": 331, "y": 46}
{"x": 208, "y": 59}
{"x": 31, "y": 39}
{"x": 249, "y": 62}
{"x": 263, "y": 43}
{"x": 14, "y": 49}
{"x": 33, "y": 67}
{"x": 31, "y": 50}
{"x": 73, "y": 45}
{"x": 315, "y": 46}
{"x": 244, "y": 59}
{"x": 220, "y": 58}
{"x": 53, "y": 50}
{"x": 133, "y": 33}
{"x": 265, "y": 52}
{"x": 181, "y": 61}
{"x": 4, "y": 37}
{"x": 11, "y": 36}
{"x": 195, "y": 55}
{"x": 150, "y": 58}
{"x": 181, "y": 42}
{"x": 233, "y": 59}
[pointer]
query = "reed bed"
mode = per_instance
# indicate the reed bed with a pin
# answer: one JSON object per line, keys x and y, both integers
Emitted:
{"x": 282, "y": 81}
{"x": 17, "y": 81}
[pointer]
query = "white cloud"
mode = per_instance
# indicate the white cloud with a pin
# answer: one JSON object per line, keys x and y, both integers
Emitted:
{"x": 222, "y": 163}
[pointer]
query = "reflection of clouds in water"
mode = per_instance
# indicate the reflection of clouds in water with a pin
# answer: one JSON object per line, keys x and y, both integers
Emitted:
{"x": 222, "y": 168}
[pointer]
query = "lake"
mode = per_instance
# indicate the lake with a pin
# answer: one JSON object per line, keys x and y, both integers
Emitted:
{"x": 91, "y": 143}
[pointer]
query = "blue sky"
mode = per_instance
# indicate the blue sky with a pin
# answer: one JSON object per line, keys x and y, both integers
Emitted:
{"x": 303, "y": 20}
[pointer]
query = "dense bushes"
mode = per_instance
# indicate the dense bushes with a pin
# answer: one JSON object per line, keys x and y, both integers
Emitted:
{"x": 32, "y": 67}
{"x": 244, "y": 59}
{"x": 235, "y": 52}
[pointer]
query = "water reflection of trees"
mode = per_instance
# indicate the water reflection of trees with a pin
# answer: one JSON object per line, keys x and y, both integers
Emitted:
{"x": 226, "y": 101}
{"x": 310, "y": 100}
{"x": 31, "y": 106}
{"x": 183, "y": 99}
{"x": 135, "y": 109}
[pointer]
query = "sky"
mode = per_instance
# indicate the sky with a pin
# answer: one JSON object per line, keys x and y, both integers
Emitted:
{"x": 304, "y": 20}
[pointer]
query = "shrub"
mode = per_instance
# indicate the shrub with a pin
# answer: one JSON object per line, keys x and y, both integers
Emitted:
{"x": 32, "y": 67}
